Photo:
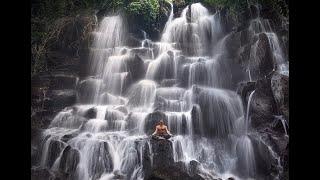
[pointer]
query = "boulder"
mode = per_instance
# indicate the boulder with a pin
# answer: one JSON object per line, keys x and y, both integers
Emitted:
{"x": 280, "y": 90}
{"x": 163, "y": 165}
{"x": 69, "y": 136}
{"x": 263, "y": 106}
{"x": 162, "y": 153}
{"x": 54, "y": 150}
{"x": 152, "y": 120}
{"x": 69, "y": 161}
{"x": 91, "y": 113}
{"x": 261, "y": 59}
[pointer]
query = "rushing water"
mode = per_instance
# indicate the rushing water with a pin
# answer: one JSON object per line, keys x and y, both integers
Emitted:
{"x": 185, "y": 78}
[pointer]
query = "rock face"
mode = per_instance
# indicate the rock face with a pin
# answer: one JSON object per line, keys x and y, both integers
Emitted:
{"x": 244, "y": 89}
{"x": 54, "y": 149}
{"x": 40, "y": 174}
{"x": 261, "y": 61}
{"x": 61, "y": 98}
{"x": 135, "y": 67}
{"x": 280, "y": 90}
{"x": 263, "y": 106}
{"x": 69, "y": 160}
{"x": 163, "y": 165}
{"x": 162, "y": 153}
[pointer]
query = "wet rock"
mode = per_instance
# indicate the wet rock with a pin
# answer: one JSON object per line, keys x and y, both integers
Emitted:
{"x": 34, "y": 154}
{"x": 91, "y": 113}
{"x": 267, "y": 151}
{"x": 100, "y": 160}
{"x": 144, "y": 53}
{"x": 117, "y": 175}
{"x": 41, "y": 119}
{"x": 168, "y": 82}
{"x": 163, "y": 166}
{"x": 162, "y": 104}
{"x": 162, "y": 152}
{"x": 280, "y": 125}
{"x": 216, "y": 107}
{"x": 63, "y": 80}
{"x": 244, "y": 89}
{"x": 108, "y": 98}
{"x": 67, "y": 137}
{"x": 41, "y": 173}
{"x": 178, "y": 151}
{"x": 194, "y": 167}
{"x": 54, "y": 150}
{"x": 69, "y": 160}
{"x": 164, "y": 69}
{"x": 184, "y": 76}
{"x": 133, "y": 41}
{"x": 122, "y": 109}
{"x": 232, "y": 44}
{"x": 263, "y": 106}
{"x": 244, "y": 57}
{"x": 152, "y": 120}
{"x": 261, "y": 62}
{"x": 146, "y": 160}
{"x": 280, "y": 90}
{"x": 196, "y": 118}
{"x": 135, "y": 67}
{"x": 86, "y": 89}
{"x": 58, "y": 99}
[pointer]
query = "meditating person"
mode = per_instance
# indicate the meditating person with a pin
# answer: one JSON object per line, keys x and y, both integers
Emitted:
{"x": 161, "y": 131}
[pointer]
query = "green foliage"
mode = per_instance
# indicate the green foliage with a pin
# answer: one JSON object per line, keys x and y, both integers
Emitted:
{"x": 147, "y": 10}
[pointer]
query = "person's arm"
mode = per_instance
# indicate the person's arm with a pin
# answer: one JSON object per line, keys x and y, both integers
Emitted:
{"x": 155, "y": 132}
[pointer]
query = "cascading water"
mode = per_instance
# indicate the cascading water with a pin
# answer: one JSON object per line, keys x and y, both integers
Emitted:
{"x": 258, "y": 27}
{"x": 184, "y": 78}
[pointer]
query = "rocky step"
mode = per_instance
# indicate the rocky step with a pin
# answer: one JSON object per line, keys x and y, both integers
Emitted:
{"x": 171, "y": 93}
{"x": 162, "y": 104}
{"x": 160, "y": 153}
{"x": 169, "y": 82}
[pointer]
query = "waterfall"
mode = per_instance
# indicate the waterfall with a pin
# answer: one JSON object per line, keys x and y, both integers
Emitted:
{"x": 185, "y": 76}
{"x": 248, "y": 110}
{"x": 259, "y": 26}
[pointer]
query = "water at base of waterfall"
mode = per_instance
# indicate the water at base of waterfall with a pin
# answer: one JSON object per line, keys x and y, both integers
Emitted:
{"x": 108, "y": 125}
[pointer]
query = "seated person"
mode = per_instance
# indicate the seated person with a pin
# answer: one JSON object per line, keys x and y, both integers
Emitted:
{"x": 161, "y": 131}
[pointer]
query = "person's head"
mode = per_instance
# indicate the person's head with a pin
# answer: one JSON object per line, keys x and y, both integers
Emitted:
{"x": 161, "y": 122}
